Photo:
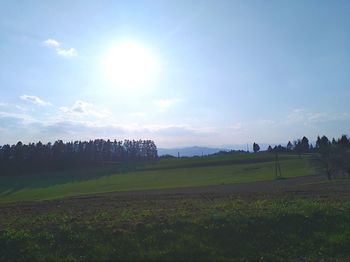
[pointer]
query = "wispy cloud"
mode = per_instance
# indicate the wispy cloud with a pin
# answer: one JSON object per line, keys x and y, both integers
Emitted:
{"x": 81, "y": 128}
{"x": 14, "y": 115}
{"x": 23, "y": 127}
{"x": 35, "y": 100}
{"x": 12, "y": 107}
{"x": 308, "y": 117}
{"x": 11, "y": 123}
{"x": 65, "y": 52}
{"x": 51, "y": 42}
{"x": 82, "y": 108}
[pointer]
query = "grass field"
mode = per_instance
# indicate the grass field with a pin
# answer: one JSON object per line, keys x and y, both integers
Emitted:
{"x": 276, "y": 227}
{"x": 166, "y": 173}
{"x": 300, "y": 230}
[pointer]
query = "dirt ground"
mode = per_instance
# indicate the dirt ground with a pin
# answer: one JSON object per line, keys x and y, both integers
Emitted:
{"x": 317, "y": 187}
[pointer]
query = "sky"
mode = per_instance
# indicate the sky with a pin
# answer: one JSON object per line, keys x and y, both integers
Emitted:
{"x": 182, "y": 73}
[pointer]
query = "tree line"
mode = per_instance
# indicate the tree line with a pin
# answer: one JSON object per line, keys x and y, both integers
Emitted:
{"x": 26, "y": 158}
{"x": 301, "y": 146}
{"x": 333, "y": 155}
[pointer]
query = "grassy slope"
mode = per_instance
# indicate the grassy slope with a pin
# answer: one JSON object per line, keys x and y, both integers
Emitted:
{"x": 167, "y": 173}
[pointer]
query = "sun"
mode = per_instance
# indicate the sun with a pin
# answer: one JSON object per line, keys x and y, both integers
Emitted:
{"x": 130, "y": 66}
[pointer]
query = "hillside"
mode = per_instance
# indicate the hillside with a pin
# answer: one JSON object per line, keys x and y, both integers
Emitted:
{"x": 165, "y": 173}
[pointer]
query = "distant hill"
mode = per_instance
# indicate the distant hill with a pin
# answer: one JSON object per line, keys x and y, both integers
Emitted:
{"x": 198, "y": 150}
{"x": 189, "y": 151}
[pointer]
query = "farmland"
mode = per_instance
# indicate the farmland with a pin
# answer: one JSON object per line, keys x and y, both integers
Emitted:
{"x": 210, "y": 208}
{"x": 166, "y": 173}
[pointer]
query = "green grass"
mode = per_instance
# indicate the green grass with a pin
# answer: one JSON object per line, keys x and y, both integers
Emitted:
{"x": 166, "y": 173}
{"x": 190, "y": 230}
{"x": 170, "y": 229}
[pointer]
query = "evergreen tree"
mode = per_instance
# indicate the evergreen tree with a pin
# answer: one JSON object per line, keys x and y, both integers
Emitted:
{"x": 256, "y": 147}
{"x": 305, "y": 145}
{"x": 38, "y": 157}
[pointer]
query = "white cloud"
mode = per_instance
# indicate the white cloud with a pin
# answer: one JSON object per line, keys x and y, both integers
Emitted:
{"x": 72, "y": 129}
{"x": 35, "y": 100}
{"x": 65, "y": 52}
{"x": 307, "y": 117}
{"x": 13, "y": 122}
{"x": 14, "y": 115}
{"x": 51, "y": 42}
{"x": 12, "y": 107}
{"x": 81, "y": 129}
{"x": 22, "y": 127}
{"x": 81, "y": 108}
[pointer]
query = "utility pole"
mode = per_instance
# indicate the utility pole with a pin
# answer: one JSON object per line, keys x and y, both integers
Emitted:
{"x": 278, "y": 172}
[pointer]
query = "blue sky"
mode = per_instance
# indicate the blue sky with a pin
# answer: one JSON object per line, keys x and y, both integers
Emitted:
{"x": 227, "y": 72}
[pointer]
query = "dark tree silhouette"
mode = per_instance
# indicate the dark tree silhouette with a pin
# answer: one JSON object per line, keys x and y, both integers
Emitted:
{"x": 334, "y": 156}
{"x": 256, "y": 147}
{"x": 301, "y": 146}
{"x": 333, "y": 141}
{"x": 323, "y": 145}
{"x": 20, "y": 158}
{"x": 305, "y": 145}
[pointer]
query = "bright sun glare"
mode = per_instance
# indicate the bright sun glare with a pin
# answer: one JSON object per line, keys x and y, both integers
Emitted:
{"x": 130, "y": 66}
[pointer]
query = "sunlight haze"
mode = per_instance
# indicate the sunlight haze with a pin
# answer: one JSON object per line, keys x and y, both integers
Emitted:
{"x": 182, "y": 73}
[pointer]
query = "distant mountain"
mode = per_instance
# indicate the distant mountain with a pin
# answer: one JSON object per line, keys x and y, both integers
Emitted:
{"x": 199, "y": 150}
{"x": 189, "y": 151}
{"x": 263, "y": 146}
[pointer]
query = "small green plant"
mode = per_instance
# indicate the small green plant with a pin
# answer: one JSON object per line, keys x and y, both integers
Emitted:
{"x": 192, "y": 229}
